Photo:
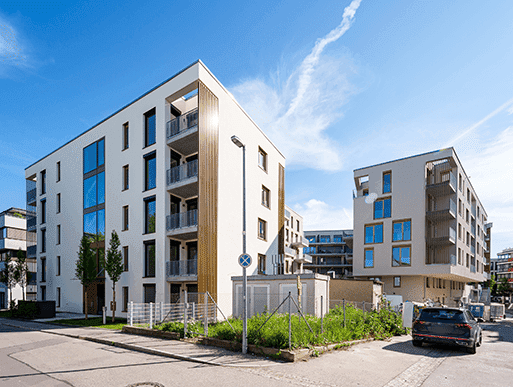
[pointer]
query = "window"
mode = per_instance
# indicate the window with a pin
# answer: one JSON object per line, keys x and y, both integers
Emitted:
{"x": 149, "y": 259}
{"x": 125, "y": 299}
{"x": 125, "y": 258}
{"x": 468, "y": 195}
{"x": 286, "y": 235}
{"x": 149, "y": 128}
{"x": 43, "y": 211}
{"x": 125, "y": 136}
{"x": 125, "y": 178}
{"x": 262, "y": 226}
{"x": 58, "y": 300}
{"x": 297, "y": 225}
{"x": 374, "y": 233}
{"x": 58, "y": 205}
{"x": 387, "y": 182}
{"x": 58, "y": 236}
{"x": 337, "y": 238}
{"x": 149, "y": 215}
{"x": 149, "y": 293}
{"x": 262, "y": 159}
{"x": 369, "y": 258}
{"x": 468, "y": 238}
{"x": 43, "y": 293}
{"x": 468, "y": 261}
{"x": 58, "y": 171}
{"x": 460, "y": 182}
{"x": 324, "y": 239}
{"x": 401, "y": 256}
{"x": 383, "y": 208}
{"x": 265, "y": 197}
{"x": 58, "y": 266}
{"x": 43, "y": 240}
{"x": 459, "y": 256}
{"x": 125, "y": 219}
{"x": 460, "y": 207}
{"x": 150, "y": 171}
{"x": 397, "y": 282}
{"x": 94, "y": 190}
{"x": 43, "y": 182}
{"x": 402, "y": 231}
{"x": 261, "y": 264}
{"x": 94, "y": 156}
{"x": 43, "y": 269}
{"x": 467, "y": 216}
{"x": 427, "y": 282}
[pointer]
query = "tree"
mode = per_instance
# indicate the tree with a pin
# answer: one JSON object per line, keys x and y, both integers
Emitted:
{"x": 9, "y": 276}
{"x": 86, "y": 270}
{"x": 113, "y": 264}
{"x": 503, "y": 287}
{"x": 21, "y": 271}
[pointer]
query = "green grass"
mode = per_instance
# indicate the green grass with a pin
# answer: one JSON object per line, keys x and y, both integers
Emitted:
{"x": 93, "y": 322}
{"x": 275, "y": 333}
{"x": 5, "y": 313}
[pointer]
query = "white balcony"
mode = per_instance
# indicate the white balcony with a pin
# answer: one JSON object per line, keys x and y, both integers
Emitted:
{"x": 183, "y": 179}
{"x": 183, "y": 225}
{"x": 182, "y": 132}
{"x": 182, "y": 270}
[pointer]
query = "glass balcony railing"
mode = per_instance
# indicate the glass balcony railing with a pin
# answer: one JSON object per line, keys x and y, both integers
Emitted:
{"x": 182, "y": 172}
{"x": 472, "y": 250}
{"x": 31, "y": 196}
{"x": 186, "y": 267}
{"x": 473, "y": 210}
{"x": 182, "y": 123}
{"x": 182, "y": 220}
{"x": 472, "y": 268}
{"x": 31, "y": 251}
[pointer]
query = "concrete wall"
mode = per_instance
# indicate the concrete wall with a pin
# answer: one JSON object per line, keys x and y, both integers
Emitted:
{"x": 355, "y": 290}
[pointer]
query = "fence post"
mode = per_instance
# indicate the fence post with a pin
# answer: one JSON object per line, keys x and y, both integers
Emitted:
{"x": 322, "y": 316}
{"x": 185, "y": 314}
{"x": 104, "y": 314}
{"x": 131, "y": 313}
{"x": 161, "y": 312}
{"x": 205, "y": 323}
{"x": 193, "y": 311}
{"x": 344, "y": 310}
{"x": 151, "y": 315}
{"x": 363, "y": 308}
{"x": 290, "y": 324}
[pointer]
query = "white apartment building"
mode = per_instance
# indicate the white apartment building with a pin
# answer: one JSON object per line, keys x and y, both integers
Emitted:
{"x": 419, "y": 227}
{"x": 163, "y": 173}
{"x": 295, "y": 242}
{"x": 503, "y": 266}
{"x": 331, "y": 252}
{"x": 13, "y": 237}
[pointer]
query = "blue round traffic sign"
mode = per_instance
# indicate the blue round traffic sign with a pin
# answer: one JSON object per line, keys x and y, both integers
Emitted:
{"x": 244, "y": 260}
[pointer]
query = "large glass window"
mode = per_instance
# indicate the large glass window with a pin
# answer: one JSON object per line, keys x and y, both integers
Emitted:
{"x": 150, "y": 126}
{"x": 150, "y": 169}
{"x": 383, "y": 208}
{"x": 149, "y": 259}
{"x": 90, "y": 158}
{"x": 324, "y": 239}
{"x": 90, "y": 198}
{"x": 369, "y": 258}
{"x": 149, "y": 215}
{"x": 387, "y": 182}
{"x": 101, "y": 187}
{"x": 100, "y": 230}
{"x": 101, "y": 152}
{"x": 402, "y": 231}
{"x": 90, "y": 223}
{"x": 401, "y": 256}
{"x": 374, "y": 233}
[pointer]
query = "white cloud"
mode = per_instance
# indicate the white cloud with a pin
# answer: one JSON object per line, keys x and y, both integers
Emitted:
{"x": 9, "y": 48}
{"x": 318, "y": 215}
{"x": 296, "y": 112}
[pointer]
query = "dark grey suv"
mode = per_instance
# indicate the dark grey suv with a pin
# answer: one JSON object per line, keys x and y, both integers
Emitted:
{"x": 447, "y": 326}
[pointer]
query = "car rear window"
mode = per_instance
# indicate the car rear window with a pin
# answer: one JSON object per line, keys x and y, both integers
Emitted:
{"x": 441, "y": 315}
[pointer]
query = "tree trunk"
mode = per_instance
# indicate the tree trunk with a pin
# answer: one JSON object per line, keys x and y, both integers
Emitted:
{"x": 86, "y": 305}
{"x": 113, "y": 302}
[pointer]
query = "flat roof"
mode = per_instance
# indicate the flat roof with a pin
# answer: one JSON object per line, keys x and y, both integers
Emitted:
{"x": 405, "y": 158}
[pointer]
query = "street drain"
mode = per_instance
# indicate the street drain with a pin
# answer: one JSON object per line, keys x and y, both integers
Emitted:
{"x": 146, "y": 384}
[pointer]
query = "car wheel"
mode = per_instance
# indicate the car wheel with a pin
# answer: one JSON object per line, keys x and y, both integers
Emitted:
{"x": 416, "y": 343}
{"x": 480, "y": 341}
{"x": 472, "y": 349}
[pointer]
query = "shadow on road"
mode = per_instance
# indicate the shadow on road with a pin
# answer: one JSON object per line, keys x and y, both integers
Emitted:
{"x": 429, "y": 350}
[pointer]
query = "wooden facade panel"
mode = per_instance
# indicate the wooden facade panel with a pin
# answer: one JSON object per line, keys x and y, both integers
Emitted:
{"x": 281, "y": 209}
{"x": 208, "y": 158}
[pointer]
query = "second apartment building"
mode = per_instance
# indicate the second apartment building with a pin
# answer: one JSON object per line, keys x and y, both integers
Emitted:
{"x": 420, "y": 227}
{"x": 164, "y": 173}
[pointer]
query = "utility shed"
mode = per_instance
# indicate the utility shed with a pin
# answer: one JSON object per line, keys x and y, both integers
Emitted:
{"x": 368, "y": 291}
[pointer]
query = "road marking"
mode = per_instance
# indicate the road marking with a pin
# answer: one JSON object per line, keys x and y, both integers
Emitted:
{"x": 417, "y": 373}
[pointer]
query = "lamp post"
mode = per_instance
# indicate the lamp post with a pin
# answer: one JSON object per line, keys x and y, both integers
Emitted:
{"x": 239, "y": 143}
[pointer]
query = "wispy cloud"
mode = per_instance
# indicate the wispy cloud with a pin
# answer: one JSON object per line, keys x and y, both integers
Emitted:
{"x": 474, "y": 126}
{"x": 296, "y": 112}
{"x": 318, "y": 215}
{"x": 10, "y": 51}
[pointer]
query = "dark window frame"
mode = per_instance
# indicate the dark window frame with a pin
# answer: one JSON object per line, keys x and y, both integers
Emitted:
{"x": 147, "y": 116}
{"x": 147, "y": 159}
{"x": 149, "y": 271}
{"x": 262, "y": 235}
{"x": 126, "y": 136}
{"x": 126, "y": 177}
{"x": 147, "y": 202}
{"x": 365, "y": 266}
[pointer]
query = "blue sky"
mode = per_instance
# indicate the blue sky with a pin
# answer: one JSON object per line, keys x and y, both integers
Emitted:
{"x": 336, "y": 85}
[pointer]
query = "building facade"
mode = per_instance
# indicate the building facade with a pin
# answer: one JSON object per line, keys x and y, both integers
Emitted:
{"x": 331, "y": 252}
{"x": 419, "y": 227}
{"x": 164, "y": 173}
{"x": 503, "y": 266}
{"x": 13, "y": 237}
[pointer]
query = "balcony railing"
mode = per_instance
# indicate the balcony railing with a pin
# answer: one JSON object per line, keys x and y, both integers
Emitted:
{"x": 290, "y": 251}
{"x": 449, "y": 212}
{"x": 186, "y": 267}
{"x": 473, "y": 230}
{"x": 182, "y": 172}
{"x": 182, "y": 220}
{"x": 444, "y": 236}
{"x": 473, "y": 211}
{"x": 441, "y": 258}
{"x": 442, "y": 188}
{"x": 182, "y": 123}
{"x": 472, "y": 250}
{"x": 472, "y": 268}
{"x": 31, "y": 196}
{"x": 31, "y": 251}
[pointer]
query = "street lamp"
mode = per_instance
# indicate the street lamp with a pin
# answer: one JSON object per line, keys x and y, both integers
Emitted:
{"x": 239, "y": 143}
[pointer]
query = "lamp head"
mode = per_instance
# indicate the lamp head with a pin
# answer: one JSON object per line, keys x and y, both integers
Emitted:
{"x": 237, "y": 141}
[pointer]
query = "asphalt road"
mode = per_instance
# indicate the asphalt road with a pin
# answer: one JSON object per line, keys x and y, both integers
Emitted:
{"x": 30, "y": 358}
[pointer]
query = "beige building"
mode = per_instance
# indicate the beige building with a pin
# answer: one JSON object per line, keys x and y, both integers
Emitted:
{"x": 419, "y": 227}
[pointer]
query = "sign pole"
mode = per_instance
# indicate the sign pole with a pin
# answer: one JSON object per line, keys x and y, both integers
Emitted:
{"x": 245, "y": 279}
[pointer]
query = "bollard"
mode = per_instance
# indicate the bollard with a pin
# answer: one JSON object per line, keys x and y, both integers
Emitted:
{"x": 344, "y": 310}
{"x": 322, "y": 317}
{"x": 131, "y": 313}
{"x": 104, "y": 309}
{"x": 151, "y": 315}
{"x": 290, "y": 325}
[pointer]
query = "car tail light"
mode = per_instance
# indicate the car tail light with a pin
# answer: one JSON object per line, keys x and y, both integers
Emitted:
{"x": 468, "y": 326}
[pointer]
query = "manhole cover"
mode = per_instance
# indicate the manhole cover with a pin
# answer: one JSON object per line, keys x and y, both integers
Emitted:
{"x": 146, "y": 384}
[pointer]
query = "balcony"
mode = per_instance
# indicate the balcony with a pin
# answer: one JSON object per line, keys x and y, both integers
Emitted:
{"x": 183, "y": 179}
{"x": 305, "y": 258}
{"x": 473, "y": 230}
{"x": 473, "y": 210}
{"x": 182, "y": 132}
{"x": 31, "y": 223}
{"x": 444, "y": 213}
{"x": 31, "y": 197}
{"x": 301, "y": 242}
{"x": 32, "y": 251}
{"x": 185, "y": 270}
{"x": 472, "y": 250}
{"x": 183, "y": 226}
{"x": 445, "y": 237}
{"x": 443, "y": 188}
{"x": 472, "y": 268}
{"x": 290, "y": 252}
{"x": 441, "y": 258}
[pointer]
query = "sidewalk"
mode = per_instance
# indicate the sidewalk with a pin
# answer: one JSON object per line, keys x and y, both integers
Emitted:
{"x": 168, "y": 348}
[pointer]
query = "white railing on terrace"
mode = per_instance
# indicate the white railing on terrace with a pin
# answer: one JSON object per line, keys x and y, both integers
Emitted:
{"x": 182, "y": 220}
{"x": 182, "y": 172}
{"x": 185, "y": 267}
{"x": 182, "y": 123}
